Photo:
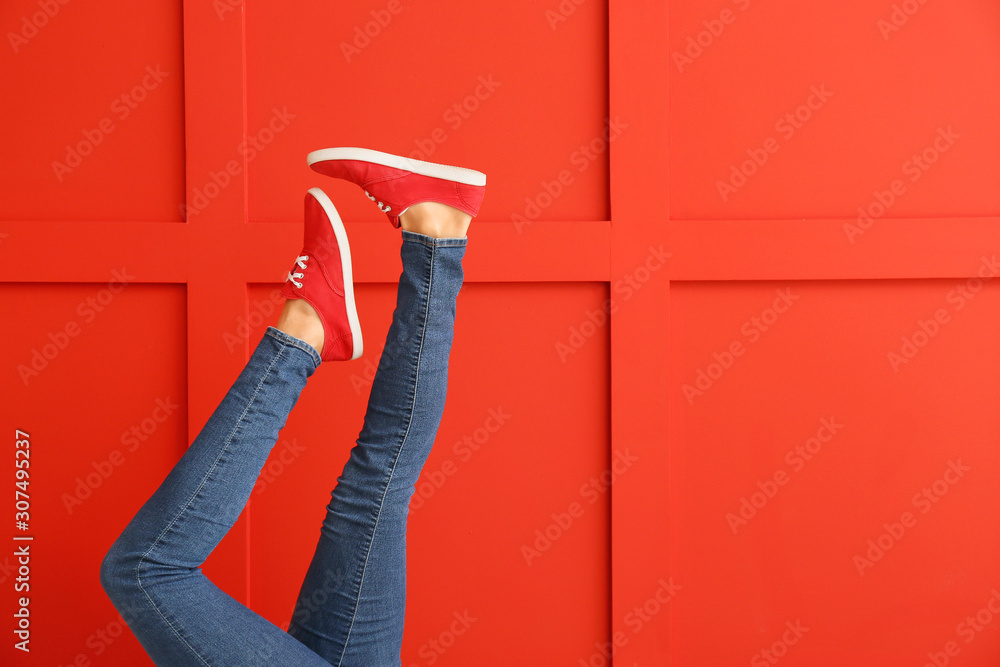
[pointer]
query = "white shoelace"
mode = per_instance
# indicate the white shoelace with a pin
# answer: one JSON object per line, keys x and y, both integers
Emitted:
{"x": 382, "y": 207}
{"x": 301, "y": 262}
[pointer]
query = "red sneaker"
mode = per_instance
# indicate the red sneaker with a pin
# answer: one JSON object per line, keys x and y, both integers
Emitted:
{"x": 395, "y": 183}
{"x": 322, "y": 276}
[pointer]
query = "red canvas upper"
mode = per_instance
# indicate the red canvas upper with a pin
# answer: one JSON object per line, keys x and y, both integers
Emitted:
{"x": 320, "y": 275}
{"x": 394, "y": 189}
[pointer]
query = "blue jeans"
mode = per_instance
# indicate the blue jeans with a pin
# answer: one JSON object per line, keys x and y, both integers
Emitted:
{"x": 351, "y": 605}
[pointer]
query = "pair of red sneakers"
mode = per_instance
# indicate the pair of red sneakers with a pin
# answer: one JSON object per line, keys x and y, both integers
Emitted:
{"x": 322, "y": 272}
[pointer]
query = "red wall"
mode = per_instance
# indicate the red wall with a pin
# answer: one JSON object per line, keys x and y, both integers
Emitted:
{"x": 796, "y": 403}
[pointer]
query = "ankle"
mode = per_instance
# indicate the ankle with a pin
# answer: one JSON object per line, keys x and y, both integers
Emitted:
{"x": 436, "y": 220}
{"x": 299, "y": 319}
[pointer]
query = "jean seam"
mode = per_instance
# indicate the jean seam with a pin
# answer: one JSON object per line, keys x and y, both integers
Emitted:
{"x": 402, "y": 444}
{"x": 187, "y": 506}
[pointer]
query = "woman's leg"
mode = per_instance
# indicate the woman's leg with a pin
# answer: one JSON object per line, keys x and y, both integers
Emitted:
{"x": 351, "y": 605}
{"x": 152, "y": 573}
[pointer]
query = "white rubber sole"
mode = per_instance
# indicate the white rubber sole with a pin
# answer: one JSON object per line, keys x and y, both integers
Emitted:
{"x": 345, "y": 262}
{"x": 432, "y": 169}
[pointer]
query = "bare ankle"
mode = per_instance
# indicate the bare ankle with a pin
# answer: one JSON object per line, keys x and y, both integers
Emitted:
{"x": 435, "y": 220}
{"x": 299, "y": 319}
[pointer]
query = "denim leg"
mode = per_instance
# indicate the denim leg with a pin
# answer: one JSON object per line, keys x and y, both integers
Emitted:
{"x": 152, "y": 573}
{"x": 351, "y": 606}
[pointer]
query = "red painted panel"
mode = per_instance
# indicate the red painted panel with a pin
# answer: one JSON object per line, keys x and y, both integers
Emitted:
{"x": 97, "y": 378}
{"x": 866, "y": 102}
{"x": 517, "y": 90}
{"x": 94, "y": 124}
{"x": 472, "y": 539}
{"x": 833, "y": 465}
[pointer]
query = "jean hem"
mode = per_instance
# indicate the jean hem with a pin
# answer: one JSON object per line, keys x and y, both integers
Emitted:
{"x": 423, "y": 239}
{"x": 288, "y": 339}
